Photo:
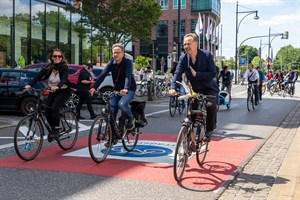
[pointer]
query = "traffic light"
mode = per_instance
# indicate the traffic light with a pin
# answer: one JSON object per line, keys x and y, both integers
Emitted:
{"x": 286, "y": 35}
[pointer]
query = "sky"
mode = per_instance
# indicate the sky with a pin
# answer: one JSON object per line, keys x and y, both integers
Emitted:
{"x": 280, "y": 15}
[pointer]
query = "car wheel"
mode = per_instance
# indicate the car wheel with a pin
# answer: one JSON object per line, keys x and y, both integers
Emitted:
{"x": 27, "y": 105}
{"x": 72, "y": 101}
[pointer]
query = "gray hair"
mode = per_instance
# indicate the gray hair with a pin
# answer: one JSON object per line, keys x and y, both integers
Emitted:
{"x": 118, "y": 45}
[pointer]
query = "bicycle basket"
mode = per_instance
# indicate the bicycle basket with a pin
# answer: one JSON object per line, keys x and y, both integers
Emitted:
{"x": 138, "y": 111}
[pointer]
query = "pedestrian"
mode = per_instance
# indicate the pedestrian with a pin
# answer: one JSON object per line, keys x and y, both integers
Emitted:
{"x": 200, "y": 70}
{"x": 121, "y": 70}
{"x": 261, "y": 81}
{"x": 83, "y": 87}
{"x": 56, "y": 76}
{"x": 226, "y": 76}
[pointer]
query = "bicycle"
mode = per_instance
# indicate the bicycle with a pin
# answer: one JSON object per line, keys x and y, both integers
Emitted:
{"x": 141, "y": 88}
{"x": 175, "y": 104}
{"x": 288, "y": 88}
{"x": 29, "y": 133}
{"x": 103, "y": 127}
{"x": 275, "y": 87}
{"x": 186, "y": 137}
{"x": 251, "y": 96}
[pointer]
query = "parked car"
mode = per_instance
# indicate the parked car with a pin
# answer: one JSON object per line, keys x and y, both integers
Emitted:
{"x": 12, "y": 93}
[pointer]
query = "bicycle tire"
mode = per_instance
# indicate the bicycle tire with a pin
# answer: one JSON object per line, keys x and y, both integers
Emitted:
{"x": 249, "y": 100}
{"x": 100, "y": 133}
{"x": 69, "y": 130}
{"x": 130, "y": 139}
{"x": 172, "y": 105}
{"x": 140, "y": 90}
{"x": 201, "y": 146}
{"x": 180, "y": 106}
{"x": 181, "y": 153}
{"x": 27, "y": 148}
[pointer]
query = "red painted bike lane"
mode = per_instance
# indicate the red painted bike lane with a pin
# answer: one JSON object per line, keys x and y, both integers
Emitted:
{"x": 223, "y": 158}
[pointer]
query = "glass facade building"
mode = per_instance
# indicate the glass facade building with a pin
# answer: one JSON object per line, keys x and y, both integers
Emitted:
{"x": 30, "y": 29}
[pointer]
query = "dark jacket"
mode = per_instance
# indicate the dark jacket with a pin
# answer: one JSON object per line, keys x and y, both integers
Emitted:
{"x": 205, "y": 72}
{"x": 125, "y": 79}
{"x": 83, "y": 75}
{"x": 226, "y": 78}
{"x": 44, "y": 74}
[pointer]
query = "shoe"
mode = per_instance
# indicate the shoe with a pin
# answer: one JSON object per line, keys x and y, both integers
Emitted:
{"x": 114, "y": 142}
{"x": 256, "y": 103}
{"x": 193, "y": 147}
{"x": 80, "y": 117}
{"x": 207, "y": 137}
{"x": 54, "y": 135}
{"x": 93, "y": 116}
{"x": 130, "y": 124}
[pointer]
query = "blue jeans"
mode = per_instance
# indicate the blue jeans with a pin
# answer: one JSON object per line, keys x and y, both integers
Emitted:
{"x": 122, "y": 102}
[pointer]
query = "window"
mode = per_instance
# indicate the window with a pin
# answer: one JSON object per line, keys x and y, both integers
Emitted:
{"x": 10, "y": 78}
{"x": 72, "y": 70}
{"x": 182, "y": 4}
{"x": 164, "y": 4}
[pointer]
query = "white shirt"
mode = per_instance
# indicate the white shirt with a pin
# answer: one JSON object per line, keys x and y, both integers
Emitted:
{"x": 254, "y": 75}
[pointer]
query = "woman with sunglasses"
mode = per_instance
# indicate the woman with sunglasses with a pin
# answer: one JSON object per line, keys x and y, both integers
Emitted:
{"x": 55, "y": 74}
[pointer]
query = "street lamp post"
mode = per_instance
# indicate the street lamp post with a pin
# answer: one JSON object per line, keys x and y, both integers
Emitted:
{"x": 237, "y": 25}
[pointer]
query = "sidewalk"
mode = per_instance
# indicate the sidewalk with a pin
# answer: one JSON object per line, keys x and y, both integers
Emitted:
{"x": 274, "y": 170}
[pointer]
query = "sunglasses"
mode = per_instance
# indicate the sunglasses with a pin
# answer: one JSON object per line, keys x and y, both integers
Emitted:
{"x": 56, "y": 56}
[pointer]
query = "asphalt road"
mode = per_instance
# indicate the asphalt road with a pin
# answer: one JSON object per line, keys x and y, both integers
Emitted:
{"x": 236, "y": 123}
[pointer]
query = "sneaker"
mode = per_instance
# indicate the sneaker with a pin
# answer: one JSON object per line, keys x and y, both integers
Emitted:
{"x": 114, "y": 142}
{"x": 207, "y": 137}
{"x": 130, "y": 124}
{"x": 54, "y": 135}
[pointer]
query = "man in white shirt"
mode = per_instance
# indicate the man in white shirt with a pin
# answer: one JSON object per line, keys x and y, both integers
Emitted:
{"x": 252, "y": 76}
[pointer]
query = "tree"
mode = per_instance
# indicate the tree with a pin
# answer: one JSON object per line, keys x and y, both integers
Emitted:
{"x": 287, "y": 57}
{"x": 248, "y": 52}
{"x": 142, "y": 61}
{"x": 120, "y": 20}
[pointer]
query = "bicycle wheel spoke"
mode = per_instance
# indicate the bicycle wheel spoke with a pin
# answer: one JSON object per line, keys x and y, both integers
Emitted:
{"x": 130, "y": 139}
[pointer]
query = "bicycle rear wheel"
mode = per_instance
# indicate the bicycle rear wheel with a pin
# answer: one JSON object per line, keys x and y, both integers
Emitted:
{"x": 201, "y": 146}
{"x": 181, "y": 153}
{"x": 130, "y": 139}
{"x": 28, "y": 138}
{"x": 100, "y": 136}
{"x": 172, "y": 105}
{"x": 69, "y": 130}
{"x": 180, "y": 104}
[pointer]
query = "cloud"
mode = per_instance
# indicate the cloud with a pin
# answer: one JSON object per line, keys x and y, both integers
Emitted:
{"x": 281, "y": 20}
{"x": 256, "y": 2}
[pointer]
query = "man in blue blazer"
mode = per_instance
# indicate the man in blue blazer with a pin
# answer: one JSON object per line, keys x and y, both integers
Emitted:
{"x": 200, "y": 70}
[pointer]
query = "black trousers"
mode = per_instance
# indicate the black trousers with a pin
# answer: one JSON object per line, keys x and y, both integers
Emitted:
{"x": 54, "y": 102}
{"x": 211, "y": 119}
{"x": 84, "y": 97}
{"x": 259, "y": 88}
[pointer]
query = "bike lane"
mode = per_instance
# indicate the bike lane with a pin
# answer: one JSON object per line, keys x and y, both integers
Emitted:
{"x": 151, "y": 161}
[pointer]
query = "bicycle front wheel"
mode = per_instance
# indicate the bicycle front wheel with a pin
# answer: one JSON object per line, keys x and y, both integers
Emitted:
{"x": 201, "y": 146}
{"x": 28, "y": 138}
{"x": 130, "y": 139}
{"x": 181, "y": 153}
{"x": 69, "y": 130}
{"x": 180, "y": 104}
{"x": 172, "y": 106}
{"x": 250, "y": 103}
{"x": 100, "y": 139}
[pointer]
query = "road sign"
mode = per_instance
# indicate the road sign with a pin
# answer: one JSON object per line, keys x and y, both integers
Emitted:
{"x": 242, "y": 61}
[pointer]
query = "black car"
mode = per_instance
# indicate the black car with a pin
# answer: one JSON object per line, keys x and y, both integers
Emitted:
{"x": 12, "y": 93}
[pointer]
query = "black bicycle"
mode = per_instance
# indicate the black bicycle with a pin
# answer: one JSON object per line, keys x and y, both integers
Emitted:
{"x": 175, "y": 104}
{"x": 288, "y": 88}
{"x": 30, "y": 131}
{"x": 251, "y": 96}
{"x": 105, "y": 127}
{"x": 192, "y": 132}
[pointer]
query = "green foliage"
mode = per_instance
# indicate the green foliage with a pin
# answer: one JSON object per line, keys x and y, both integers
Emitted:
{"x": 287, "y": 57}
{"x": 230, "y": 63}
{"x": 243, "y": 69}
{"x": 142, "y": 61}
{"x": 255, "y": 61}
{"x": 120, "y": 20}
{"x": 248, "y": 52}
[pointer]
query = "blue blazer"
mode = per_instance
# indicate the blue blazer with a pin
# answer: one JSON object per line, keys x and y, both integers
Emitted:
{"x": 205, "y": 72}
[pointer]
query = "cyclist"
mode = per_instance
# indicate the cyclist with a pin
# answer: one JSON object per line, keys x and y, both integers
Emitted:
{"x": 56, "y": 76}
{"x": 270, "y": 78}
{"x": 253, "y": 77}
{"x": 226, "y": 79}
{"x": 261, "y": 81}
{"x": 291, "y": 78}
{"x": 121, "y": 69}
{"x": 200, "y": 70}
